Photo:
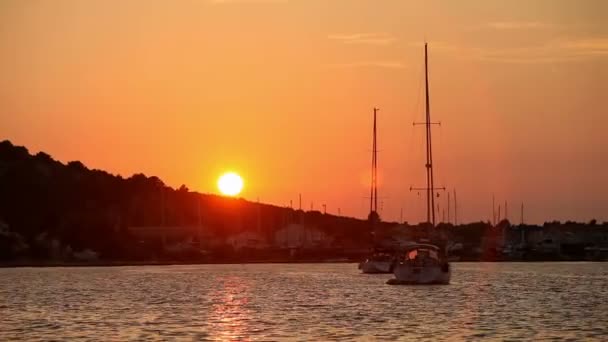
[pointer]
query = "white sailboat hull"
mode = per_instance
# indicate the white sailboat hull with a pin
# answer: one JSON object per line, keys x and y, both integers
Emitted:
{"x": 408, "y": 274}
{"x": 375, "y": 267}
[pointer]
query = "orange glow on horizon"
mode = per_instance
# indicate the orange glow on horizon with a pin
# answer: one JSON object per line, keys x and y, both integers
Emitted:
{"x": 181, "y": 91}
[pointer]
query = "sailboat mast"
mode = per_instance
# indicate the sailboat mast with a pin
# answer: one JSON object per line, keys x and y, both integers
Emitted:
{"x": 448, "y": 207}
{"x": 430, "y": 182}
{"x": 373, "y": 200}
{"x": 430, "y": 198}
{"x": 455, "y": 209}
{"x": 375, "y": 164}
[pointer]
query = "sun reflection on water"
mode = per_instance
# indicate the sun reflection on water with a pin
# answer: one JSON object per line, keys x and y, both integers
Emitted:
{"x": 230, "y": 316}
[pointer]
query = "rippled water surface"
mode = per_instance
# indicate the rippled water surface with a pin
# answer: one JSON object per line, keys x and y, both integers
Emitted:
{"x": 303, "y": 302}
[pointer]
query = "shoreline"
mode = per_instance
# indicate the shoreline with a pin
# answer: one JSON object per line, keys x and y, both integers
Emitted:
{"x": 24, "y": 264}
{"x": 163, "y": 263}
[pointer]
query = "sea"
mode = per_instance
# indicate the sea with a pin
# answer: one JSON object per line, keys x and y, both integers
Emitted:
{"x": 303, "y": 302}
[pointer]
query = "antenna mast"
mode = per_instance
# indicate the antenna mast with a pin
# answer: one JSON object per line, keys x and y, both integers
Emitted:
{"x": 430, "y": 185}
{"x": 373, "y": 200}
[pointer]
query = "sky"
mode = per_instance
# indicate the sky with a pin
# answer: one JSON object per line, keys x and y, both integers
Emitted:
{"x": 283, "y": 91}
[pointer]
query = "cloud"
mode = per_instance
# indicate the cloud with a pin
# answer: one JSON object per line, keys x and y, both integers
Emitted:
{"x": 510, "y": 26}
{"x": 586, "y": 46}
{"x": 364, "y": 38}
{"x": 217, "y": 2}
{"x": 371, "y": 64}
{"x": 556, "y": 50}
{"x": 517, "y": 25}
{"x": 559, "y": 45}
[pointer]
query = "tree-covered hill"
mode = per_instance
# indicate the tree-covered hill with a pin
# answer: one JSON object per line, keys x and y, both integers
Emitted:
{"x": 44, "y": 201}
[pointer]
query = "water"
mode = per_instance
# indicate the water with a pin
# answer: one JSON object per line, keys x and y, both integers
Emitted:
{"x": 512, "y": 301}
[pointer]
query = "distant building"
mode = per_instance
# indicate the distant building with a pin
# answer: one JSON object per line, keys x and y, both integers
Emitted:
{"x": 301, "y": 236}
{"x": 86, "y": 255}
{"x": 175, "y": 238}
{"x": 247, "y": 239}
{"x": 173, "y": 233}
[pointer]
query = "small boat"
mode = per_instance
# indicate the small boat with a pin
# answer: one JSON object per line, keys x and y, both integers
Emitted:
{"x": 379, "y": 262}
{"x": 422, "y": 264}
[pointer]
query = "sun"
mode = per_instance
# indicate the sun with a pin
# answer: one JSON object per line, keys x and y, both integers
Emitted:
{"x": 230, "y": 184}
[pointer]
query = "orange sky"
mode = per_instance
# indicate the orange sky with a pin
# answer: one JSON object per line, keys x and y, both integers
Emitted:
{"x": 282, "y": 92}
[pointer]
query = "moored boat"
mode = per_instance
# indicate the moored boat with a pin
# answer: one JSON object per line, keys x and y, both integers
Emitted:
{"x": 422, "y": 264}
{"x": 379, "y": 262}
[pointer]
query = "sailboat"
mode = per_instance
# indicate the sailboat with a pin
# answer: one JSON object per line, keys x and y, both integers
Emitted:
{"x": 380, "y": 260}
{"x": 424, "y": 263}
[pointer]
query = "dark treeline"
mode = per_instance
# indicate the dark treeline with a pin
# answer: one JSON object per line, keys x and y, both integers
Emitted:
{"x": 55, "y": 211}
{"x": 45, "y": 202}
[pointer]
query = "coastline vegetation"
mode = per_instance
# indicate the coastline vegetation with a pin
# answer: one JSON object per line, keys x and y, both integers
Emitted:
{"x": 67, "y": 214}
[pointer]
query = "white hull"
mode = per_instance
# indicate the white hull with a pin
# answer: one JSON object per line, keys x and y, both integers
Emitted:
{"x": 373, "y": 267}
{"x": 423, "y": 275}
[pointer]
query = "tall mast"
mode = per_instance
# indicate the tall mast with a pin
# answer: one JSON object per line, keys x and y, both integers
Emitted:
{"x": 429, "y": 150}
{"x": 448, "y": 207}
{"x": 430, "y": 184}
{"x": 455, "y": 209}
{"x": 493, "y": 211}
{"x": 373, "y": 200}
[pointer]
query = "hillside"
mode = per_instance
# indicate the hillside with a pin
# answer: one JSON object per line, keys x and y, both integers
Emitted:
{"x": 45, "y": 202}
{"x": 55, "y": 212}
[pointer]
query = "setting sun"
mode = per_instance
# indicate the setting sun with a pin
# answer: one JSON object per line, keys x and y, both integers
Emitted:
{"x": 230, "y": 184}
